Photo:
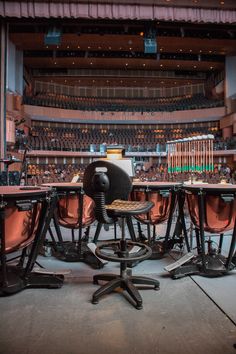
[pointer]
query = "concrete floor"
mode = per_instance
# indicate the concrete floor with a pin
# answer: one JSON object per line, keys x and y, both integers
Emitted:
{"x": 193, "y": 314}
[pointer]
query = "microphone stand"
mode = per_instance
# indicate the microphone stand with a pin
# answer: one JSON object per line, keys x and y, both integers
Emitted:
{"x": 24, "y": 166}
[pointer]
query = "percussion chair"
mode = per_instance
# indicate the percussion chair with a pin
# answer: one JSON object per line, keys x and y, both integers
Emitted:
{"x": 109, "y": 186}
{"x": 24, "y": 218}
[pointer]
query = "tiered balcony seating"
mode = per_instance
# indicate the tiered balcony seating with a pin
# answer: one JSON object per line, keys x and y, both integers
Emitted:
{"x": 133, "y": 139}
{"x": 163, "y": 104}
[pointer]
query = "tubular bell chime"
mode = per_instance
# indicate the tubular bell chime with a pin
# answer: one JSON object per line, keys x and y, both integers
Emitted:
{"x": 193, "y": 154}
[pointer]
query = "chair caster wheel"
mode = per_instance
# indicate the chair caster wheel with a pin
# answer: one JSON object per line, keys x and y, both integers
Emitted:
{"x": 95, "y": 282}
{"x": 94, "y": 302}
{"x": 139, "y": 307}
{"x": 156, "y": 287}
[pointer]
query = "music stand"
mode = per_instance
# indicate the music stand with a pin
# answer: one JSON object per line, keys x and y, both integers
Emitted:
{"x": 7, "y": 162}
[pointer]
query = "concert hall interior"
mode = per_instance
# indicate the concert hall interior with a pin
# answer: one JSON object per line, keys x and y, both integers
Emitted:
{"x": 118, "y": 176}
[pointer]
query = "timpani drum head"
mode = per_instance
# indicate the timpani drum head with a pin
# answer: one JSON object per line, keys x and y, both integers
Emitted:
{"x": 219, "y": 211}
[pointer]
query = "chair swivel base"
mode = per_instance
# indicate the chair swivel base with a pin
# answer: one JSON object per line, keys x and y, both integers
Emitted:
{"x": 16, "y": 281}
{"x": 126, "y": 282}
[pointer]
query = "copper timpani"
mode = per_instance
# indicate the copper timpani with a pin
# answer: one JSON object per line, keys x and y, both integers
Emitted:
{"x": 21, "y": 215}
{"x": 25, "y": 213}
{"x": 212, "y": 209}
{"x": 161, "y": 194}
{"x": 219, "y": 206}
{"x": 164, "y": 196}
{"x": 74, "y": 210}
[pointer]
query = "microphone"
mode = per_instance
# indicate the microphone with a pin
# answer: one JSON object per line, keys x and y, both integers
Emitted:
{"x": 28, "y": 147}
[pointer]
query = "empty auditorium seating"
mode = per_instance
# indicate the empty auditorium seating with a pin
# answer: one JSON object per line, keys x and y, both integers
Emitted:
{"x": 157, "y": 104}
{"x": 133, "y": 139}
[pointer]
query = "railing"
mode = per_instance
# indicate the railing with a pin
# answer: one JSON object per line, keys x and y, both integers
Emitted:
{"x": 128, "y": 92}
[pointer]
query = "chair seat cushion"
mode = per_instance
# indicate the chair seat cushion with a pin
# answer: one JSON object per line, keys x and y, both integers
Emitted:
{"x": 126, "y": 207}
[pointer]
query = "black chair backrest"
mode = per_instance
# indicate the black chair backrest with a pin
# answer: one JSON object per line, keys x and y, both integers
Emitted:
{"x": 105, "y": 182}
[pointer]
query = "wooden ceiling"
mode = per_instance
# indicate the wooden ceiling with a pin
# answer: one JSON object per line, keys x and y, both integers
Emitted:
{"x": 111, "y": 53}
{"x": 222, "y": 4}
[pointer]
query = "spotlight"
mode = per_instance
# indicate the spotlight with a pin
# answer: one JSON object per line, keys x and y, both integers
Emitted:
{"x": 53, "y": 36}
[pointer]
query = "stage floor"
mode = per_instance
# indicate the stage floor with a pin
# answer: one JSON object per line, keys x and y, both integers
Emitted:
{"x": 189, "y": 315}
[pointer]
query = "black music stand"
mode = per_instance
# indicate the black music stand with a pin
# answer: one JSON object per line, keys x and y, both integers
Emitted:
{"x": 7, "y": 162}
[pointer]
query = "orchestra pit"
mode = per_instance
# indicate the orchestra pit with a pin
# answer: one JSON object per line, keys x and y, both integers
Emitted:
{"x": 118, "y": 177}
